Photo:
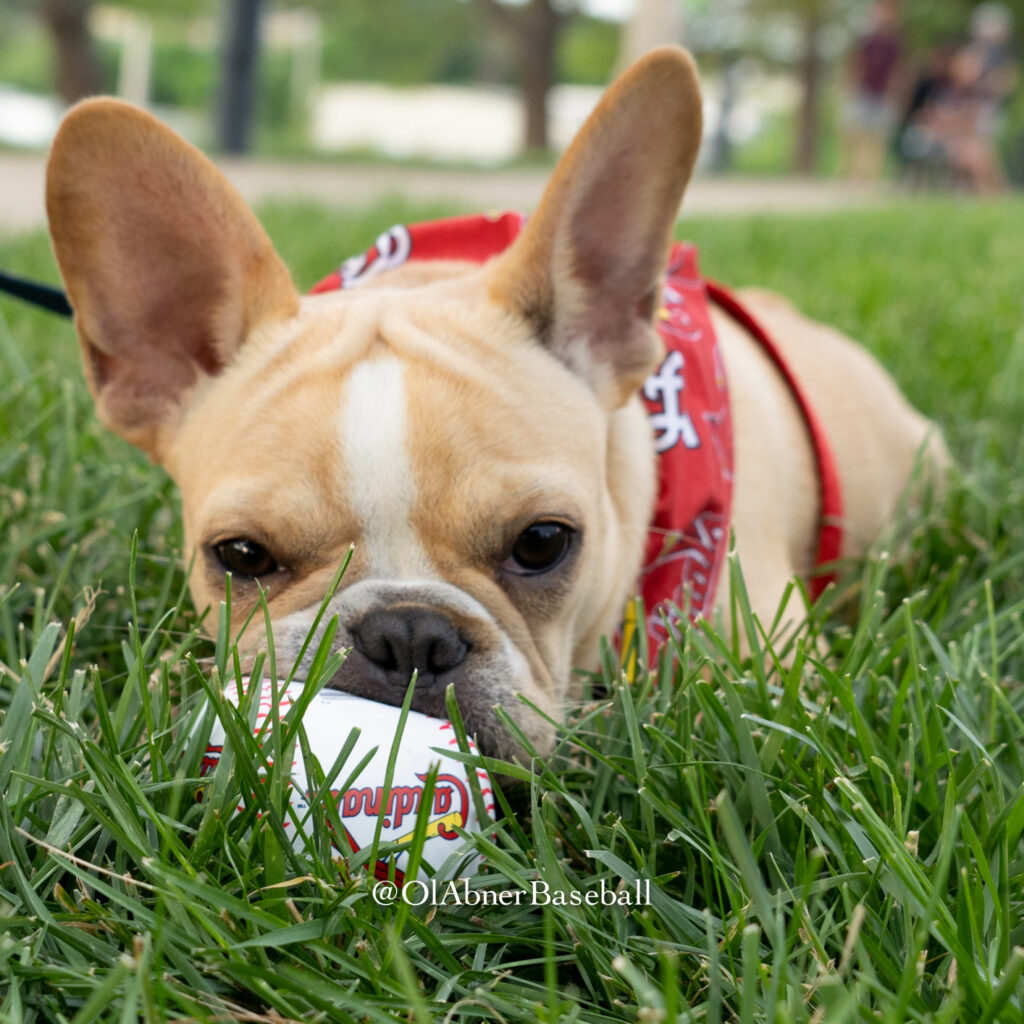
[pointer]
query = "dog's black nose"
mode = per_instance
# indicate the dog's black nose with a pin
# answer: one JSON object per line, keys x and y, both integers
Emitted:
{"x": 398, "y": 641}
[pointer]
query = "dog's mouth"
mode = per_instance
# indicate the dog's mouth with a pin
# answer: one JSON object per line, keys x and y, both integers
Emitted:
{"x": 405, "y": 639}
{"x": 433, "y": 658}
{"x": 477, "y": 708}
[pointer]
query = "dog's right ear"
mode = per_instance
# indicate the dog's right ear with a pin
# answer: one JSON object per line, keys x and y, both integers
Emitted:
{"x": 167, "y": 269}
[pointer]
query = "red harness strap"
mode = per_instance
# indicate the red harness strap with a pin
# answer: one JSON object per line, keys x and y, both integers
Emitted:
{"x": 830, "y": 531}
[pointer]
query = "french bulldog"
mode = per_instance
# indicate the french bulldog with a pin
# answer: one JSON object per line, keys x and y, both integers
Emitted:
{"x": 474, "y": 430}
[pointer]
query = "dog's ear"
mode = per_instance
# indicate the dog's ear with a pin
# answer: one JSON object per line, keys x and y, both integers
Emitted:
{"x": 586, "y": 269}
{"x": 167, "y": 269}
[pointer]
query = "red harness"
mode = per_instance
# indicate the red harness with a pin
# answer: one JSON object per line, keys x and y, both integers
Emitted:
{"x": 687, "y": 400}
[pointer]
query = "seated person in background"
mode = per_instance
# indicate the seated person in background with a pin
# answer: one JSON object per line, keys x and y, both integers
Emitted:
{"x": 917, "y": 143}
{"x": 954, "y": 113}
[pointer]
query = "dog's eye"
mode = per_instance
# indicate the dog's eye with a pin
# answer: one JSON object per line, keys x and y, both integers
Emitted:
{"x": 244, "y": 557}
{"x": 540, "y": 547}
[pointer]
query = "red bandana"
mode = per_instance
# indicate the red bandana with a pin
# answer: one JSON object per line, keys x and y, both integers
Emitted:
{"x": 688, "y": 403}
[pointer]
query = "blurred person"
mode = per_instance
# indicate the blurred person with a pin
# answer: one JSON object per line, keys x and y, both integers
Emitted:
{"x": 874, "y": 84}
{"x": 965, "y": 117}
{"x": 986, "y": 73}
{"x": 917, "y": 142}
{"x": 954, "y": 113}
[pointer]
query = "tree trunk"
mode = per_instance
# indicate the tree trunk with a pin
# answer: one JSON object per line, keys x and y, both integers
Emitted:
{"x": 533, "y": 31}
{"x": 538, "y": 45}
{"x": 806, "y": 151}
{"x": 77, "y": 70}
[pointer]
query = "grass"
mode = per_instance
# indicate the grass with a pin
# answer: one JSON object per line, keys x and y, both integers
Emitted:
{"x": 834, "y": 840}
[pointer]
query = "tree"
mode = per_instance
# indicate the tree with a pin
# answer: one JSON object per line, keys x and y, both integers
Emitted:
{"x": 812, "y": 15}
{"x": 790, "y": 33}
{"x": 810, "y": 19}
{"x": 534, "y": 29}
{"x": 928, "y": 23}
{"x": 77, "y": 69}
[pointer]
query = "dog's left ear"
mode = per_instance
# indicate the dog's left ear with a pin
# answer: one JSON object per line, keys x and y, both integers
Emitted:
{"x": 586, "y": 270}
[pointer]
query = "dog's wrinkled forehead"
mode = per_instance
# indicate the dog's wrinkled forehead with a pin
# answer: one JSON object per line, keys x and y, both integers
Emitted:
{"x": 424, "y": 425}
{"x": 395, "y": 431}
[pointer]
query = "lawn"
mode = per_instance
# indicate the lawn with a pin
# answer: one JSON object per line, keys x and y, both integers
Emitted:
{"x": 833, "y": 840}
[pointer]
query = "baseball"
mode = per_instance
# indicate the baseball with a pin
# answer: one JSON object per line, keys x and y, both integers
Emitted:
{"x": 328, "y": 721}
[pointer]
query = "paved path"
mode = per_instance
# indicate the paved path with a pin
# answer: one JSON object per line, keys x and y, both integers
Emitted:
{"x": 21, "y": 188}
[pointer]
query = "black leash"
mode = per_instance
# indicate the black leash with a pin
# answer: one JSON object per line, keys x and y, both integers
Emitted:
{"x": 42, "y": 295}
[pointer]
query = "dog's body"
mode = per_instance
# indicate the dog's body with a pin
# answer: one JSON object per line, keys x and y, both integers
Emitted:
{"x": 472, "y": 429}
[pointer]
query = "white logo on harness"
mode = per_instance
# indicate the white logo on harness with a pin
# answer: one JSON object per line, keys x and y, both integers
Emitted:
{"x": 391, "y": 250}
{"x": 671, "y": 425}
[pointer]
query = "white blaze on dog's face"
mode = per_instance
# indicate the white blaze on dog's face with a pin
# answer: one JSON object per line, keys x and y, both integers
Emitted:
{"x": 472, "y": 431}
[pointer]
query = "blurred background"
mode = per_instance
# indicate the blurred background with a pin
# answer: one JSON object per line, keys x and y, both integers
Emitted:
{"x": 924, "y": 92}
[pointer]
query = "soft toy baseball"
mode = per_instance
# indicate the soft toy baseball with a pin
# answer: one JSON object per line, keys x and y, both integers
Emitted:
{"x": 328, "y": 721}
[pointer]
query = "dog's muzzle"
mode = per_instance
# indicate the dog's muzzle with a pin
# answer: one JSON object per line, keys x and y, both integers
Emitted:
{"x": 394, "y": 631}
